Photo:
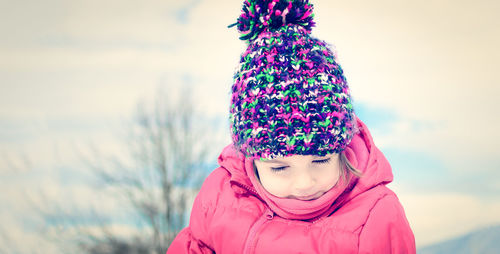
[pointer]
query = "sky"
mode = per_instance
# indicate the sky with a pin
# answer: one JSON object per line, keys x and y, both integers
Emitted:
{"x": 422, "y": 76}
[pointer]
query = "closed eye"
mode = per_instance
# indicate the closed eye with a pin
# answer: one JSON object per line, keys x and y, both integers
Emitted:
{"x": 322, "y": 161}
{"x": 278, "y": 169}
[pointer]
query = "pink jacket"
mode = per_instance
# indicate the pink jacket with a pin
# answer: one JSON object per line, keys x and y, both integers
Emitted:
{"x": 232, "y": 215}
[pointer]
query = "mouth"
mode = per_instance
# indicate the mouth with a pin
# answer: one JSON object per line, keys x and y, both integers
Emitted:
{"x": 310, "y": 197}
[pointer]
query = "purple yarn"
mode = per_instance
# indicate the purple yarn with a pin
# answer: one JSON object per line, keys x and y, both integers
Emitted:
{"x": 289, "y": 94}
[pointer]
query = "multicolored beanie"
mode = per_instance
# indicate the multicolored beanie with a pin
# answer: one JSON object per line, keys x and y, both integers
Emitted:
{"x": 289, "y": 96}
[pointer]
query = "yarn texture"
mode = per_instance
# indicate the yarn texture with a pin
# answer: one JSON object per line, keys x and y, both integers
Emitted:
{"x": 289, "y": 94}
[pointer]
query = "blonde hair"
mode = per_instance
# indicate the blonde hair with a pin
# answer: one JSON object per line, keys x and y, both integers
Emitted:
{"x": 347, "y": 170}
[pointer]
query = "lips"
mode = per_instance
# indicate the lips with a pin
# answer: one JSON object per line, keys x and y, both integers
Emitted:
{"x": 310, "y": 197}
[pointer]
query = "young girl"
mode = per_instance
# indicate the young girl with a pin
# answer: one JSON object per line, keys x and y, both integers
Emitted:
{"x": 303, "y": 174}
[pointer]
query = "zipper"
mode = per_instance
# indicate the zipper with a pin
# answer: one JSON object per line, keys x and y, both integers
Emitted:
{"x": 266, "y": 216}
{"x": 251, "y": 242}
{"x": 248, "y": 188}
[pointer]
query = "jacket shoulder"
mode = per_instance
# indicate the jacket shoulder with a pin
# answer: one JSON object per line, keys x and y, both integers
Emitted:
{"x": 352, "y": 215}
{"x": 220, "y": 213}
{"x": 212, "y": 187}
{"x": 206, "y": 202}
{"x": 386, "y": 228}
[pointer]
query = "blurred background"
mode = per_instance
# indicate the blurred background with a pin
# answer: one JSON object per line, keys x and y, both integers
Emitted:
{"x": 113, "y": 112}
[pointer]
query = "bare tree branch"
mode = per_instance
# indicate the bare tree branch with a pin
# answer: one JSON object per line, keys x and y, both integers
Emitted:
{"x": 169, "y": 151}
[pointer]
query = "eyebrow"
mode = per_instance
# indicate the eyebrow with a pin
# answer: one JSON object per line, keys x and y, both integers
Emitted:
{"x": 274, "y": 161}
{"x": 322, "y": 157}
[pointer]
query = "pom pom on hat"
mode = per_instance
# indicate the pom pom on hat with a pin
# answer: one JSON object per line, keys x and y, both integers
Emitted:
{"x": 260, "y": 15}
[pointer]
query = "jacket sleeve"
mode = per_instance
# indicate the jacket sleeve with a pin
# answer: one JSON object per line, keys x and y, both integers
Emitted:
{"x": 195, "y": 238}
{"x": 386, "y": 229}
{"x": 185, "y": 242}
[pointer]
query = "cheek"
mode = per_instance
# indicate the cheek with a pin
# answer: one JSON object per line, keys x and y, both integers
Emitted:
{"x": 327, "y": 178}
{"x": 330, "y": 177}
{"x": 274, "y": 185}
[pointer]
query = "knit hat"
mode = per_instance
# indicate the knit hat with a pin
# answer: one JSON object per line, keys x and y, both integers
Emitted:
{"x": 289, "y": 95}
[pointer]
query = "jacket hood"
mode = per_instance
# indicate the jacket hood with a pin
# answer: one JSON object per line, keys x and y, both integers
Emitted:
{"x": 361, "y": 153}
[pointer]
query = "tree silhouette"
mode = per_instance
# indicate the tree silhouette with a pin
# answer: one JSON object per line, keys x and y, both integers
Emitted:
{"x": 167, "y": 160}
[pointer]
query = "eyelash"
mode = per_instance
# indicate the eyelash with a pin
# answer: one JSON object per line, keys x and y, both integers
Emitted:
{"x": 316, "y": 161}
{"x": 322, "y": 161}
{"x": 278, "y": 169}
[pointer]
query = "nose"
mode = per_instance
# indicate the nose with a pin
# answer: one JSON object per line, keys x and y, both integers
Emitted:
{"x": 304, "y": 183}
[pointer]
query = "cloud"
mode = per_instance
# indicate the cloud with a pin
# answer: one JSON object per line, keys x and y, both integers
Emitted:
{"x": 461, "y": 147}
{"x": 443, "y": 215}
{"x": 99, "y": 22}
{"x": 16, "y": 239}
{"x": 426, "y": 159}
{"x": 429, "y": 72}
{"x": 101, "y": 57}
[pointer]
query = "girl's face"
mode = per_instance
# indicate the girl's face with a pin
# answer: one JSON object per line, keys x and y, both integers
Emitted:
{"x": 304, "y": 177}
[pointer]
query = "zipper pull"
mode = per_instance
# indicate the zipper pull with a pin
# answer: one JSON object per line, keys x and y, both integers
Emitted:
{"x": 269, "y": 214}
